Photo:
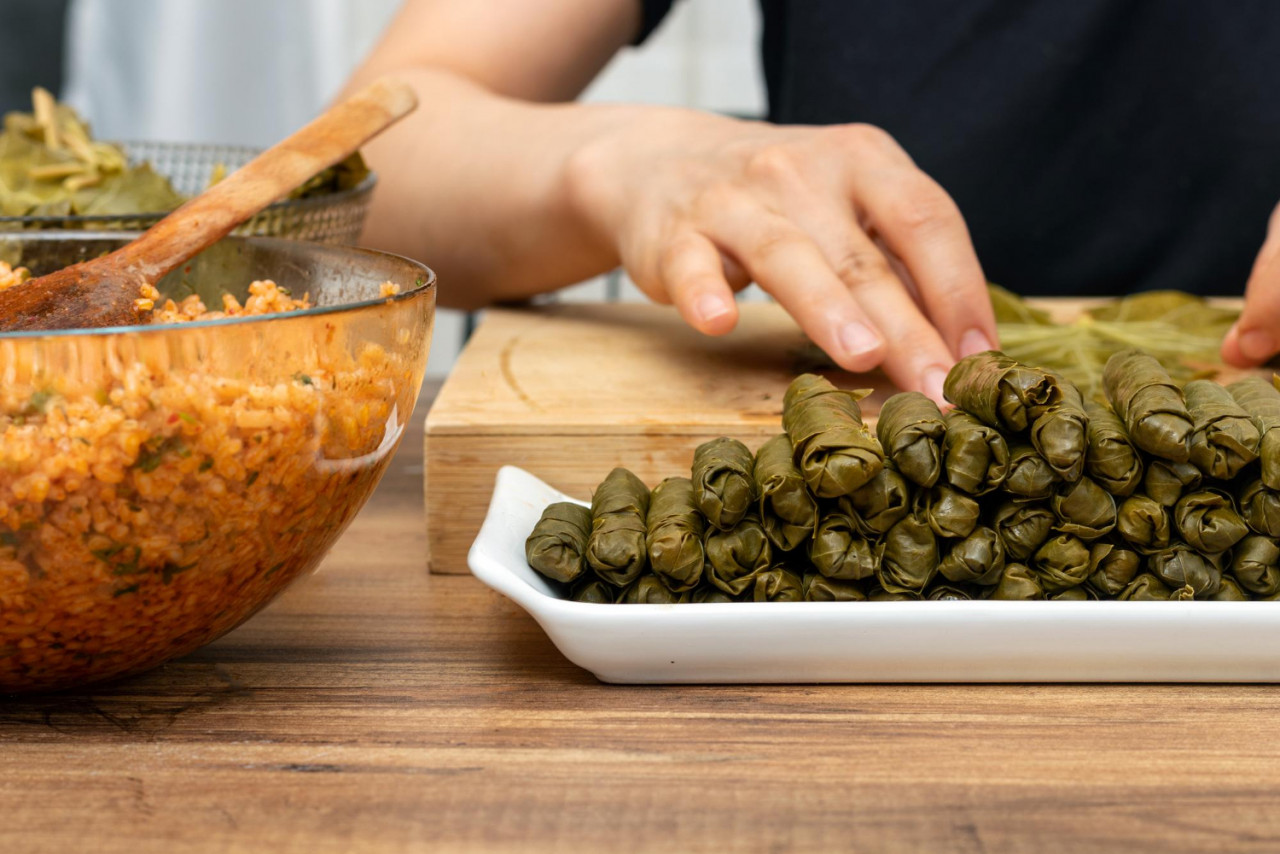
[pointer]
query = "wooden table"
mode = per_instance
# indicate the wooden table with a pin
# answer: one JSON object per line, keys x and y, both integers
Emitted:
{"x": 375, "y": 707}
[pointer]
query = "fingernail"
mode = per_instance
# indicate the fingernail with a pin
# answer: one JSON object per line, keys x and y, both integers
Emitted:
{"x": 1257, "y": 344}
{"x": 709, "y": 306}
{"x": 858, "y": 339}
{"x": 931, "y": 382}
{"x": 974, "y": 341}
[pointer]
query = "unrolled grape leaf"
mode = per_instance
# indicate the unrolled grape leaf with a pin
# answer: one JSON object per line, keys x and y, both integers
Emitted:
{"x": 1182, "y": 330}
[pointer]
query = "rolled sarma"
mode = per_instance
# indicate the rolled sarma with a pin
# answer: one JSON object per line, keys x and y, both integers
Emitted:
{"x": 1017, "y": 582}
{"x": 1060, "y": 432}
{"x": 878, "y": 504}
{"x": 820, "y": 588}
{"x": 1022, "y": 527}
{"x": 1147, "y": 588}
{"x": 975, "y": 456}
{"x": 1084, "y": 509}
{"x": 1165, "y": 482}
{"x": 833, "y": 449}
{"x": 978, "y": 558}
{"x": 910, "y": 557}
{"x": 592, "y": 590}
{"x": 649, "y": 590}
{"x": 1113, "y": 460}
{"x": 950, "y": 513}
{"x": 1260, "y": 507}
{"x": 674, "y": 535}
{"x": 953, "y": 593}
{"x": 1255, "y": 563}
{"x": 1030, "y": 475}
{"x": 1261, "y": 400}
{"x": 557, "y": 548}
{"x": 788, "y": 512}
{"x": 723, "y": 487}
{"x": 1062, "y": 562}
{"x": 1230, "y": 591}
{"x": 1208, "y": 521}
{"x": 1144, "y": 524}
{"x": 1073, "y": 594}
{"x": 1000, "y": 391}
{"x": 778, "y": 585}
{"x": 1112, "y": 568}
{"x": 1181, "y": 566}
{"x": 1150, "y": 405}
{"x": 879, "y": 594}
{"x": 616, "y": 549}
{"x": 910, "y": 429}
{"x": 1224, "y": 439}
{"x": 736, "y": 556}
{"x": 839, "y": 550}
{"x": 710, "y": 594}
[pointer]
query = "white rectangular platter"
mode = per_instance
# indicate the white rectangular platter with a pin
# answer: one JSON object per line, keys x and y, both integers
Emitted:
{"x": 928, "y": 641}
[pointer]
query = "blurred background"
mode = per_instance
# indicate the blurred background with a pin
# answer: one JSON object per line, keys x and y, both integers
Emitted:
{"x": 251, "y": 71}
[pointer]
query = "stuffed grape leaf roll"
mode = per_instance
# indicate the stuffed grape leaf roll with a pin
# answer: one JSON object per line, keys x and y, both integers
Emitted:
{"x": 1260, "y": 507}
{"x": 1085, "y": 509}
{"x": 736, "y": 556}
{"x": 722, "y": 481}
{"x": 1208, "y": 521}
{"x": 910, "y": 429}
{"x": 1022, "y": 527}
{"x": 978, "y": 558}
{"x": 616, "y": 549}
{"x": 910, "y": 558}
{"x": 1030, "y": 475}
{"x": 778, "y": 585}
{"x": 674, "y": 535}
{"x": 820, "y": 588}
{"x": 557, "y": 548}
{"x": 788, "y": 512}
{"x": 1144, "y": 524}
{"x": 1255, "y": 563}
{"x": 1112, "y": 460}
{"x": 1150, "y": 405}
{"x": 1224, "y": 439}
{"x": 975, "y": 456}
{"x": 832, "y": 447}
{"x": 1261, "y": 400}
{"x": 999, "y": 391}
{"x": 839, "y": 550}
{"x": 1060, "y": 432}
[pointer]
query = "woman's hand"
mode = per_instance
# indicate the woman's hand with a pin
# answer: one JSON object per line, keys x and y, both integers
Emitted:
{"x": 868, "y": 253}
{"x": 1256, "y": 336}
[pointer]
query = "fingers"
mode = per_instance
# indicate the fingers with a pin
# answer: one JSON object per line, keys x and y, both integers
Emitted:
{"x": 922, "y": 226}
{"x": 1255, "y": 338}
{"x": 786, "y": 262}
{"x": 916, "y": 357}
{"x": 692, "y": 272}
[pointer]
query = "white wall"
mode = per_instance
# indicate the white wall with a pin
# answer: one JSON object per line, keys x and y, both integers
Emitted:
{"x": 251, "y": 71}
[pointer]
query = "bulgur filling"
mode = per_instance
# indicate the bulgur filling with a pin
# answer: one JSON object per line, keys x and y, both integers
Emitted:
{"x": 155, "y": 493}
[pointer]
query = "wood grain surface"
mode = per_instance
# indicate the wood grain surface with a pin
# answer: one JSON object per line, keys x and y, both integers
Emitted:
{"x": 375, "y": 707}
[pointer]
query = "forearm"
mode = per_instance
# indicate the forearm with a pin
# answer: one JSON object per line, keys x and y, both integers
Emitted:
{"x": 475, "y": 185}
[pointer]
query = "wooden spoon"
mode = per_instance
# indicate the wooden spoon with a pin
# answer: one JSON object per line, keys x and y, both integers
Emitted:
{"x": 104, "y": 291}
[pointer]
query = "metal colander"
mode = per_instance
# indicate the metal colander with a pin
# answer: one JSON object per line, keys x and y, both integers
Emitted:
{"x": 328, "y": 218}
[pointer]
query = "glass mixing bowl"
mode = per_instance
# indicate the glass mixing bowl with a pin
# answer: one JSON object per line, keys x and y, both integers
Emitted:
{"x": 160, "y": 484}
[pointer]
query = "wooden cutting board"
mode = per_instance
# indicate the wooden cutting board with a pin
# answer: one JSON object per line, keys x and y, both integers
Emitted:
{"x": 567, "y": 392}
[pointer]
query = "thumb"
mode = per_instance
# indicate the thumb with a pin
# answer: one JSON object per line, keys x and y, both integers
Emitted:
{"x": 1255, "y": 337}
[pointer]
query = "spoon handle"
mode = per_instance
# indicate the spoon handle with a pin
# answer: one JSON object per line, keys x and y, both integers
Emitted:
{"x": 273, "y": 174}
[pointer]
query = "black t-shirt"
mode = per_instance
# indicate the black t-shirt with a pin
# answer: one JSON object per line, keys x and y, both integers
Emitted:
{"x": 1093, "y": 146}
{"x": 31, "y": 50}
